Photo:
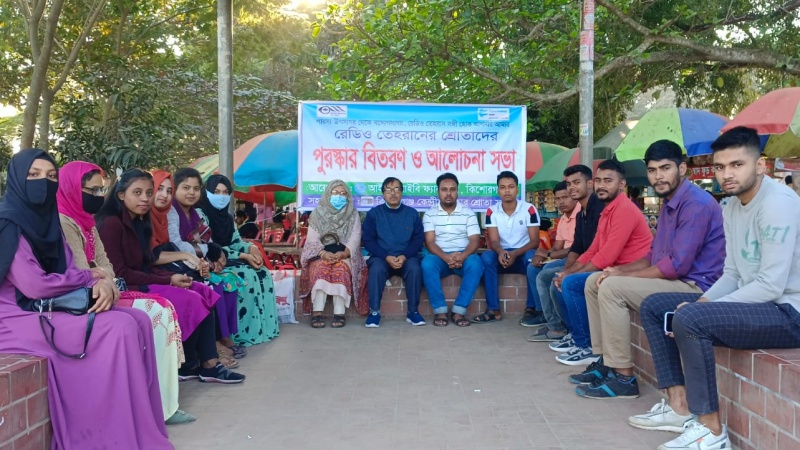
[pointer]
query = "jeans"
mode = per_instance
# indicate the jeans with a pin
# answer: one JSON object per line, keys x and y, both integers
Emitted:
{"x": 434, "y": 269}
{"x": 492, "y": 269}
{"x": 575, "y": 303}
{"x": 688, "y": 359}
{"x": 379, "y": 272}
{"x": 548, "y": 302}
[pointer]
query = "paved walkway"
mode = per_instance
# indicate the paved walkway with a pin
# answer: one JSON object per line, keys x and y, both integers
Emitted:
{"x": 412, "y": 388}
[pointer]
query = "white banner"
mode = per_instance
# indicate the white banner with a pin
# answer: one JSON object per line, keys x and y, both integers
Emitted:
{"x": 363, "y": 143}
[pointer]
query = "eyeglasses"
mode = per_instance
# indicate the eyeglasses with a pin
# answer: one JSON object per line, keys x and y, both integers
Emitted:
{"x": 97, "y": 192}
{"x": 393, "y": 190}
{"x": 338, "y": 193}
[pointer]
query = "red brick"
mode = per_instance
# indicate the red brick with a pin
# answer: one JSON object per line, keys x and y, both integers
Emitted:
{"x": 508, "y": 292}
{"x": 722, "y": 355}
{"x": 742, "y": 444}
{"x": 38, "y": 409}
{"x": 742, "y": 362}
{"x": 9, "y": 446}
{"x": 25, "y": 379}
{"x": 790, "y": 381}
{"x": 752, "y": 397}
{"x": 32, "y": 440}
{"x": 763, "y": 434}
{"x": 451, "y": 280}
{"x": 780, "y": 412}
{"x": 393, "y": 307}
{"x": 788, "y": 354}
{"x": 514, "y": 306}
{"x": 767, "y": 371}
{"x": 786, "y": 442}
{"x": 728, "y": 385}
{"x": 5, "y": 392}
{"x": 14, "y": 419}
{"x": 739, "y": 421}
{"x": 513, "y": 279}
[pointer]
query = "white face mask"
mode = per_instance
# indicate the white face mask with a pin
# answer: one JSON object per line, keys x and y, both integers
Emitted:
{"x": 219, "y": 201}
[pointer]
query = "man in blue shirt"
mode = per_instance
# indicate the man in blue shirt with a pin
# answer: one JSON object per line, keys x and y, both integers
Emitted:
{"x": 392, "y": 234}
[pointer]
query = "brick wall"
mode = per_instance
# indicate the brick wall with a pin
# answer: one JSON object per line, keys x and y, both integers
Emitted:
{"x": 512, "y": 292}
{"x": 759, "y": 392}
{"x": 24, "y": 414}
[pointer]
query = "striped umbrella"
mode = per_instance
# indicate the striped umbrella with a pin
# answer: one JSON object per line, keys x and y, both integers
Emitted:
{"x": 537, "y": 153}
{"x": 776, "y": 117}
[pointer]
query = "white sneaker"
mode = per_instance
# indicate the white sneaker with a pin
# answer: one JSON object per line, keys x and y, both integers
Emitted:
{"x": 661, "y": 417}
{"x": 697, "y": 437}
{"x": 564, "y": 345}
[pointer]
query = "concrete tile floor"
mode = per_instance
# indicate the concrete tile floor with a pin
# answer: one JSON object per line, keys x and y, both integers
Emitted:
{"x": 404, "y": 387}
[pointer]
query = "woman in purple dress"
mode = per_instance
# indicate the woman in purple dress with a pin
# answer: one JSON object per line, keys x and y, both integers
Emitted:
{"x": 110, "y": 398}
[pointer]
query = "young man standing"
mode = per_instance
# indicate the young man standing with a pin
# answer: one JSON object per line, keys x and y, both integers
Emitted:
{"x": 686, "y": 256}
{"x": 623, "y": 236}
{"x": 755, "y": 303}
{"x": 551, "y": 261}
{"x": 513, "y": 228}
{"x": 392, "y": 234}
{"x": 452, "y": 236}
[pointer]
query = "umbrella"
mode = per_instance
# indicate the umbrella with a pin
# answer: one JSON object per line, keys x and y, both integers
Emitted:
{"x": 610, "y": 141}
{"x": 537, "y": 153}
{"x": 552, "y": 171}
{"x": 776, "y": 114}
{"x": 692, "y": 129}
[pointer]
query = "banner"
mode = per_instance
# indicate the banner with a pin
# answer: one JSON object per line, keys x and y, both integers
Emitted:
{"x": 363, "y": 143}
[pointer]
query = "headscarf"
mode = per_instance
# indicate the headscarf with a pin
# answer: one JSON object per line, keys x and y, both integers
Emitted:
{"x": 219, "y": 220}
{"x": 327, "y": 219}
{"x": 21, "y": 215}
{"x": 158, "y": 217}
{"x": 70, "y": 200}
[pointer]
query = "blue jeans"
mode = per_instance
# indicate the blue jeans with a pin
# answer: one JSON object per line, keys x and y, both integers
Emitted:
{"x": 379, "y": 272}
{"x": 575, "y": 302}
{"x": 491, "y": 270}
{"x": 548, "y": 302}
{"x": 434, "y": 269}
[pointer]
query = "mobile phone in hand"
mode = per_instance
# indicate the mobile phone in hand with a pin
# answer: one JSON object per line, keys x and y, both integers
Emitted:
{"x": 668, "y": 316}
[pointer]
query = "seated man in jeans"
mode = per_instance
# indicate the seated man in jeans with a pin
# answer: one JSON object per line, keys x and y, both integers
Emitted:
{"x": 686, "y": 256}
{"x": 513, "y": 229}
{"x": 539, "y": 311}
{"x": 755, "y": 303}
{"x": 452, "y": 236}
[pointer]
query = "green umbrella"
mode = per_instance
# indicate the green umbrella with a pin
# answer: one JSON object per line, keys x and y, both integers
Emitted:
{"x": 552, "y": 171}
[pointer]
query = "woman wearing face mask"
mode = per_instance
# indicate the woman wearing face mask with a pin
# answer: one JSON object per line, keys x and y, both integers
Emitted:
{"x": 126, "y": 231}
{"x": 258, "y": 317}
{"x": 166, "y": 252}
{"x": 80, "y": 195}
{"x": 118, "y": 366}
{"x": 331, "y": 269}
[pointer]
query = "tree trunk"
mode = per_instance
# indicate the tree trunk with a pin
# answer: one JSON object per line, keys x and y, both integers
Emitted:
{"x": 44, "y": 119}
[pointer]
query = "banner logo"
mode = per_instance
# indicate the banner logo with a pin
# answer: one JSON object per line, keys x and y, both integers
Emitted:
{"x": 331, "y": 111}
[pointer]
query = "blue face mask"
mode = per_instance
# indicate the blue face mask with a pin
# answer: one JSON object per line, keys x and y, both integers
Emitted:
{"x": 219, "y": 201}
{"x": 338, "y": 201}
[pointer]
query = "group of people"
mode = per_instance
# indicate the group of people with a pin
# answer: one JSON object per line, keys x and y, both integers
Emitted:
{"x": 177, "y": 295}
{"x": 712, "y": 275}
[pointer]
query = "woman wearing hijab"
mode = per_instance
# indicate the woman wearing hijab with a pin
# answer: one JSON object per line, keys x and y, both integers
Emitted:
{"x": 331, "y": 259}
{"x": 119, "y": 363}
{"x": 258, "y": 314}
{"x": 126, "y": 232}
{"x": 80, "y": 195}
{"x": 226, "y": 323}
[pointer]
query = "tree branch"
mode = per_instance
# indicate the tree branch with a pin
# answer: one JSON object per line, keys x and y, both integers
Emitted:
{"x": 76, "y": 48}
{"x": 782, "y": 10}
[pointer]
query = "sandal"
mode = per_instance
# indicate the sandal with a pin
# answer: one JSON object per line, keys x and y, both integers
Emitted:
{"x": 239, "y": 351}
{"x": 462, "y": 322}
{"x": 338, "y": 321}
{"x": 228, "y": 362}
{"x": 439, "y": 321}
{"x": 317, "y": 322}
{"x": 486, "y": 318}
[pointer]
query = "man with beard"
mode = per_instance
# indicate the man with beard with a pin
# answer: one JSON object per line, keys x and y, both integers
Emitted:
{"x": 686, "y": 257}
{"x": 754, "y": 304}
{"x": 452, "y": 236}
{"x": 623, "y": 236}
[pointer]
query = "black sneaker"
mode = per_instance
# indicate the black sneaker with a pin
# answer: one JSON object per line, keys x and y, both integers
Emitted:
{"x": 595, "y": 371}
{"x": 611, "y": 387}
{"x": 188, "y": 374}
{"x": 220, "y": 374}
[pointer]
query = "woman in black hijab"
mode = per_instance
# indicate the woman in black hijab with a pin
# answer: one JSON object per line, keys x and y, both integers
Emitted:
{"x": 118, "y": 361}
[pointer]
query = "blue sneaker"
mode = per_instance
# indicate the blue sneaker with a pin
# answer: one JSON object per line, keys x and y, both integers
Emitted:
{"x": 595, "y": 371}
{"x": 610, "y": 387}
{"x": 373, "y": 319}
{"x": 415, "y": 318}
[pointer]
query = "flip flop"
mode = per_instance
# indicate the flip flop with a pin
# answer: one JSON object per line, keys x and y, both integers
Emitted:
{"x": 440, "y": 321}
{"x": 486, "y": 318}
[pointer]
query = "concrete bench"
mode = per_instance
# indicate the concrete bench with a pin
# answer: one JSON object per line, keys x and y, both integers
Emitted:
{"x": 24, "y": 412}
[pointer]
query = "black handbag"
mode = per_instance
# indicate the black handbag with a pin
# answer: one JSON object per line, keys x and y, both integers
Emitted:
{"x": 76, "y": 303}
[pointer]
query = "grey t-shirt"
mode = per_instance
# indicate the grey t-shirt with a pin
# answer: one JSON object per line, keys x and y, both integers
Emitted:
{"x": 762, "y": 244}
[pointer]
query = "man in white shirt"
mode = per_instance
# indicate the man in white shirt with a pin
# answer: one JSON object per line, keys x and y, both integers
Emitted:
{"x": 452, "y": 236}
{"x": 513, "y": 234}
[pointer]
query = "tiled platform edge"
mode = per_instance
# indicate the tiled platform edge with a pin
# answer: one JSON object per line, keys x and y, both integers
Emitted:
{"x": 24, "y": 414}
{"x": 394, "y": 305}
{"x": 759, "y": 392}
